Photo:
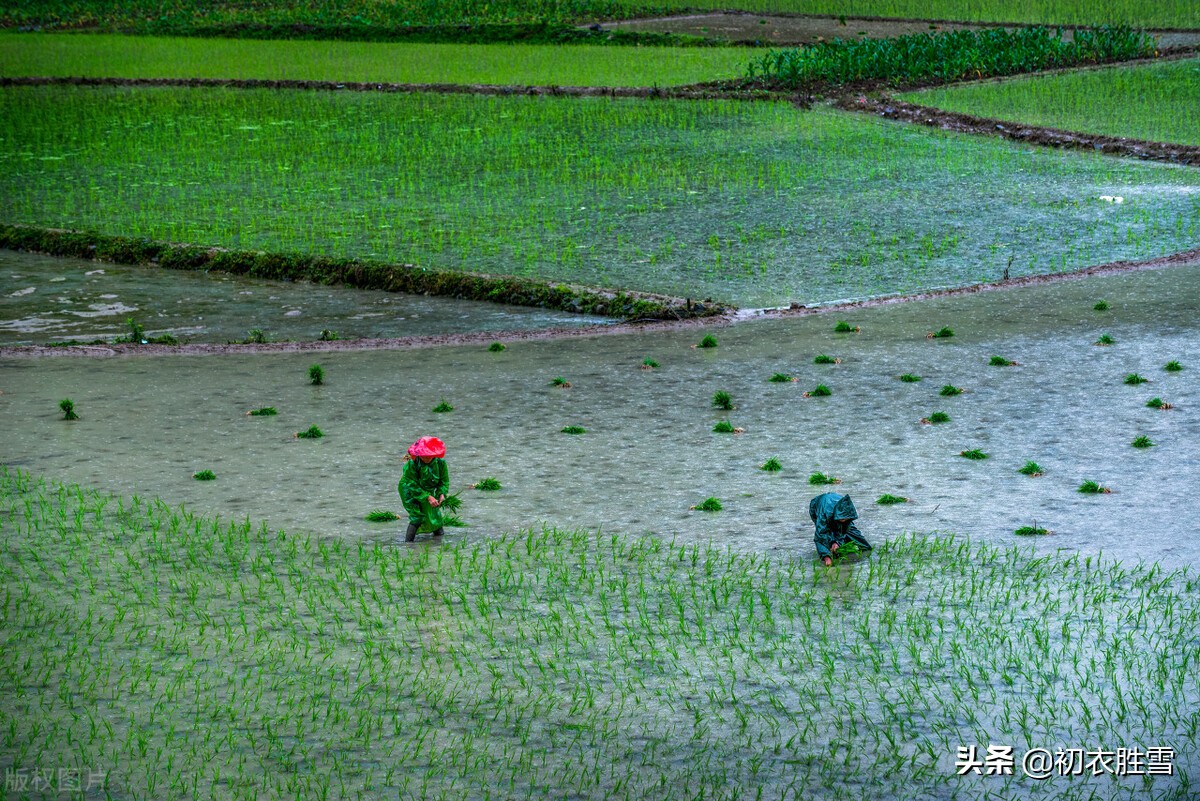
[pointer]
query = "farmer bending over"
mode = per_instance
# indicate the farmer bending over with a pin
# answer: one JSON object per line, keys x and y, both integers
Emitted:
{"x": 424, "y": 485}
{"x": 834, "y": 517}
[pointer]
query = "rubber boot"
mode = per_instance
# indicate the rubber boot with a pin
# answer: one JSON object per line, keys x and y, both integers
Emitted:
{"x": 411, "y": 534}
{"x": 440, "y": 531}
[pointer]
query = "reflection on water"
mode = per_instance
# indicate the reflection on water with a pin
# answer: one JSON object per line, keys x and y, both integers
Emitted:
{"x": 649, "y": 453}
{"x": 46, "y": 299}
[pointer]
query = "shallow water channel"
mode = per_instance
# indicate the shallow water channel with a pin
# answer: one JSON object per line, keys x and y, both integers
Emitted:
{"x": 148, "y": 423}
{"x": 46, "y": 299}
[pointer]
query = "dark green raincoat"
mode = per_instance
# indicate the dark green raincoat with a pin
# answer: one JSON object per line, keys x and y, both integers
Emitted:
{"x": 834, "y": 517}
{"x": 417, "y": 483}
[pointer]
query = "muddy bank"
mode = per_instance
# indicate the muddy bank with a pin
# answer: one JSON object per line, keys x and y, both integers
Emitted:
{"x": 709, "y": 91}
{"x": 729, "y": 317}
{"x": 893, "y": 109}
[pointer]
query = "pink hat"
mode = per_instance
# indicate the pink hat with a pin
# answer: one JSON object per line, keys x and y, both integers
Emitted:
{"x": 427, "y": 446}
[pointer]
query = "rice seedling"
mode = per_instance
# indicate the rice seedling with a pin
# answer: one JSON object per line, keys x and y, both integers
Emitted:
{"x": 909, "y": 378}
{"x": 130, "y": 619}
{"x": 1133, "y": 379}
{"x": 316, "y": 375}
{"x": 574, "y": 430}
{"x": 782, "y": 378}
{"x": 973, "y": 453}
{"x": 381, "y": 516}
{"x": 843, "y": 327}
{"x": 453, "y": 502}
{"x": 559, "y": 381}
{"x": 772, "y": 465}
{"x": 1000, "y": 361}
{"x": 649, "y": 364}
{"x": 1031, "y": 468}
{"x": 1173, "y": 367}
{"x": 709, "y": 341}
{"x": 819, "y": 391}
{"x": 495, "y": 347}
{"x": 136, "y": 332}
{"x": 935, "y": 418}
{"x": 443, "y": 407}
{"x": 255, "y": 336}
{"x": 265, "y": 411}
{"x": 1142, "y": 442}
{"x": 312, "y": 432}
{"x": 328, "y": 336}
{"x": 818, "y": 479}
{"x": 949, "y": 391}
{"x": 1031, "y": 531}
{"x": 945, "y": 332}
{"x": 887, "y": 499}
{"x": 204, "y": 475}
{"x": 708, "y": 505}
{"x": 1090, "y": 487}
{"x": 1104, "y": 339}
{"x": 488, "y": 484}
{"x": 1159, "y": 403}
{"x": 67, "y": 406}
{"x": 824, "y": 359}
{"x": 725, "y": 427}
{"x": 1101, "y": 305}
{"x": 1127, "y": 101}
{"x": 544, "y": 200}
{"x": 722, "y": 400}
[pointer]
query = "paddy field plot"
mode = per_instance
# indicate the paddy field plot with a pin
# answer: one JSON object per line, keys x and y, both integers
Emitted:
{"x": 758, "y": 204}
{"x": 178, "y": 655}
{"x": 98, "y": 55}
{"x": 1156, "y": 102}
{"x": 648, "y": 451}
{"x": 45, "y": 299}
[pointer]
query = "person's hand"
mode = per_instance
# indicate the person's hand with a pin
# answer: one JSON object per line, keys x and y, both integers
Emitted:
{"x": 828, "y": 562}
{"x": 434, "y": 502}
{"x": 833, "y": 548}
{"x": 441, "y": 499}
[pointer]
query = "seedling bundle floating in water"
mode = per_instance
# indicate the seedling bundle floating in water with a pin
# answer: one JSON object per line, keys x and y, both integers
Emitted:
{"x": 909, "y": 378}
{"x": 1159, "y": 403}
{"x": 1090, "y": 487}
{"x": 495, "y": 347}
{"x": 204, "y": 475}
{"x": 266, "y": 411}
{"x": 68, "y": 409}
{"x": 442, "y": 408}
{"x": 722, "y": 400}
{"x": 819, "y": 391}
{"x": 312, "y": 432}
{"x": 818, "y": 479}
{"x": 936, "y": 417}
{"x": 649, "y": 364}
{"x": 316, "y": 375}
{"x": 974, "y": 453}
{"x": 725, "y": 427}
{"x": 772, "y": 465}
{"x": 488, "y": 484}
{"x": 781, "y": 378}
{"x": 1142, "y": 442}
{"x": 949, "y": 391}
{"x": 1000, "y": 361}
{"x": 709, "y": 341}
{"x": 1031, "y": 468}
{"x": 844, "y": 327}
{"x": 1101, "y": 305}
{"x": 942, "y": 333}
{"x": 1031, "y": 531}
{"x": 559, "y": 381}
{"x": 1104, "y": 339}
{"x": 574, "y": 430}
{"x": 887, "y": 499}
{"x": 825, "y": 359}
{"x": 381, "y": 516}
{"x": 1172, "y": 367}
{"x": 708, "y": 505}
{"x": 1133, "y": 379}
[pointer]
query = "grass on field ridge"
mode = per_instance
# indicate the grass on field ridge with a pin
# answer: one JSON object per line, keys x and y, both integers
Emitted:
{"x": 520, "y": 664}
{"x": 1156, "y": 102}
{"x": 100, "y": 55}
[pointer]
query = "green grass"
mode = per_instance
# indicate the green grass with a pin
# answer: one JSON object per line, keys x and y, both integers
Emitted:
{"x": 366, "y": 62}
{"x": 511, "y": 665}
{"x": 1141, "y": 102}
{"x": 941, "y": 57}
{"x": 741, "y": 202}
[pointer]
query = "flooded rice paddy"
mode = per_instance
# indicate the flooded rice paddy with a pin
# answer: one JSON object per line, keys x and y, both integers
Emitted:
{"x": 649, "y": 452}
{"x": 46, "y": 299}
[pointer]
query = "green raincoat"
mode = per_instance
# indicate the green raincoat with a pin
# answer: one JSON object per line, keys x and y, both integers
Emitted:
{"x": 834, "y": 517}
{"x": 417, "y": 483}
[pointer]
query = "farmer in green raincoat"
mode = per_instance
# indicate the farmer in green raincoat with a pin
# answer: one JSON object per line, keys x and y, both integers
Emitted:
{"x": 424, "y": 485}
{"x": 834, "y": 517}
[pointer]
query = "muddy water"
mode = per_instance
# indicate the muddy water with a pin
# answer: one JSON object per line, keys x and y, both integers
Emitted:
{"x": 46, "y": 299}
{"x": 649, "y": 452}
